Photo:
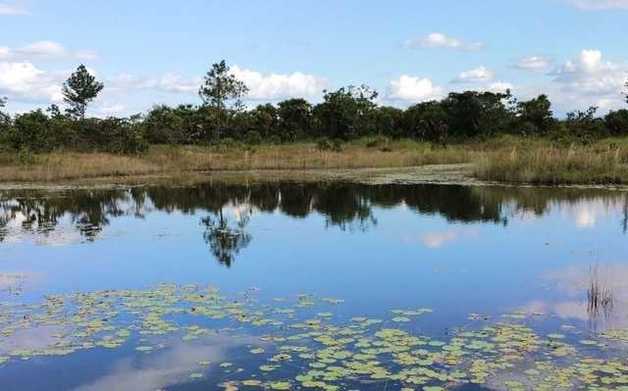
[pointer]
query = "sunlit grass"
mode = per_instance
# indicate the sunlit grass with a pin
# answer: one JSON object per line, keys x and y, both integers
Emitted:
{"x": 502, "y": 159}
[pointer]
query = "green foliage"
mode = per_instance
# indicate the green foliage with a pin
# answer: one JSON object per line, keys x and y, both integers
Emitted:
{"x": 617, "y": 122}
{"x": 30, "y": 130}
{"x": 426, "y": 121}
{"x": 472, "y": 113}
{"x": 389, "y": 121}
{"x": 346, "y": 113}
{"x": 584, "y": 126}
{"x": 327, "y": 145}
{"x": 80, "y": 89}
{"x": 25, "y": 156}
{"x": 221, "y": 86}
{"x": 535, "y": 116}
{"x": 295, "y": 119}
{"x": 253, "y": 137}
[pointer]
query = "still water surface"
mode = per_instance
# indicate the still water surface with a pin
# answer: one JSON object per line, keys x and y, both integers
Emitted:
{"x": 295, "y": 268}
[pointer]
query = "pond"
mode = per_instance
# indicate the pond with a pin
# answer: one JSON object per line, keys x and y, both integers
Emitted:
{"x": 330, "y": 286}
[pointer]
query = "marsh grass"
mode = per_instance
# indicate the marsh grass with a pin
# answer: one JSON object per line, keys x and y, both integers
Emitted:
{"x": 501, "y": 159}
{"x": 600, "y": 298}
{"x": 602, "y": 163}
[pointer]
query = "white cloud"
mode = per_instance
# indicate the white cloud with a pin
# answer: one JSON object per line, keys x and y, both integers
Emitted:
{"x": 600, "y": 4}
{"x": 499, "y": 87}
{"x": 169, "y": 82}
{"x": 279, "y": 86}
{"x": 172, "y": 82}
{"x": 24, "y": 80}
{"x": 477, "y": 75}
{"x": 262, "y": 87}
{"x": 44, "y": 50}
{"x": 12, "y": 9}
{"x": 534, "y": 63}
{"x": 414, "y": 89}
{"x": 590, "y": 80}
{"x": 87, "y": 55}
{"x": 440, "y": 40}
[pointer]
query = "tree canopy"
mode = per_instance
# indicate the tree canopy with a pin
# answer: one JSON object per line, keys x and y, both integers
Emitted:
{"x": 220, "y": 86}
{"x": 80, "y": 89}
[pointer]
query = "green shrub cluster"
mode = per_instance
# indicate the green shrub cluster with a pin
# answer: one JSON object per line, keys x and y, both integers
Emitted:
{"x": 345, "y": 114}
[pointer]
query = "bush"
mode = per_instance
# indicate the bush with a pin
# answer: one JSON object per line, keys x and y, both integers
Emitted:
{"x": 617, "y": 122}
{"x": 326, "y": 144}
{"x": 378, "y": 142}
{"x": 30, "y": 131}
{"x": 253, "y": 138}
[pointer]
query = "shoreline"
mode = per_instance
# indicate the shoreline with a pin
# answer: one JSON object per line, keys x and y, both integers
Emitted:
{"x": 438, "y": 174}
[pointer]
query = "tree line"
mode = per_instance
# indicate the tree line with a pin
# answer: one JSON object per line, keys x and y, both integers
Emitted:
{"x": 344, "y": 114}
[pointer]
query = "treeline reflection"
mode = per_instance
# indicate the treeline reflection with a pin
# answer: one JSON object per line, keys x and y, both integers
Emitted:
{"x": 344, "y": 206}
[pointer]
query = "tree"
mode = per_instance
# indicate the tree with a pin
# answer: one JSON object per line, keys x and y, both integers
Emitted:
{"x": 221, "y": 86}
{"x": 80, "y": 89}
{"x": 585, "y": 125}
{"x": 347, "y": 112}
{"x": 617, "y": 122}
{"x": 536, "y": 114}
{"x": 295, "y": 117}
{"x": 473, "y": 113}
{"x": 4, "y": 118}
{"x": 388, "y": 121}
{"x": 427, "y": 121}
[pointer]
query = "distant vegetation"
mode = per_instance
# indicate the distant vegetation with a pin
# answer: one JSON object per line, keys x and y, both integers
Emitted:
{"x": 345, "y": 114}
{"x": 346, "y": 117}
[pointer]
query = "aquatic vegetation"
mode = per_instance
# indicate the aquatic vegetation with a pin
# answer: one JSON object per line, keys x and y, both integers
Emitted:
{"x": 302, "y": 344}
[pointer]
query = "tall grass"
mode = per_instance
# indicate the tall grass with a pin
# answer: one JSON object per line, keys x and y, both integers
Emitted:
{"x": 551, "y": 165}
{"x": 502, "y": 159}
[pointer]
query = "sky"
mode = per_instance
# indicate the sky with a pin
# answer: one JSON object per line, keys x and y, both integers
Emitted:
{"x": 156, "y": 52}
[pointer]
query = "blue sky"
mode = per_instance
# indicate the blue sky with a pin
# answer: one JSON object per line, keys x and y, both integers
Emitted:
{"x": 150, "y": 52}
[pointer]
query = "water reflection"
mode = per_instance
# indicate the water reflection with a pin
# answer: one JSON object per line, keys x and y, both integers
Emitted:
{"x": 165, "y": 368}
{"x": 226, "y": 238}
{"x": 596, "y": 295}
{"x": 68, "y": 217}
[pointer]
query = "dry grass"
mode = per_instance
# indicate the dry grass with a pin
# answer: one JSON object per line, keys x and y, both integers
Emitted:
{"x": 504, "y": 159}
{"x": 603, "y": 163}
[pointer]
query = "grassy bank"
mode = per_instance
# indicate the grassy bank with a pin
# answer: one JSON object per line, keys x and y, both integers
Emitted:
{"x": 504, "y": 159}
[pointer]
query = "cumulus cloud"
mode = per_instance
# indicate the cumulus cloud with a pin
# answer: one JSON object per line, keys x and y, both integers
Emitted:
{"x": 600, "y": 4}
{"x": 414, "y": 89}
{"x": 499, "y": 87}
{"x": 590, "y": 80}
{"x": 169, "y": 82}
{"x": 440, "y": 40}
{"x": 44, "y": 50}
{"x": 534, "y": 63}
{"x": 476, "y": 75}
{"x": 12, "y": 9}
{"x": 25, "y": 81}
{"x": 261, "y": 86}
{"x": 279, "y": 86}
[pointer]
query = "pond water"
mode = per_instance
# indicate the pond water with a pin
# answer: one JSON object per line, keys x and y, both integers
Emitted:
{"x": 313, "y": 286}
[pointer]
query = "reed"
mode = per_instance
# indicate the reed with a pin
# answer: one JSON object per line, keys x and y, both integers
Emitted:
{"x": 501, "y": 159}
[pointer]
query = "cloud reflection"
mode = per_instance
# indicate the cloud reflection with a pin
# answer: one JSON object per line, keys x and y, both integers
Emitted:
{"x": 595, "y": 294}
{"x": 167, "y": 367}
{"x": 439, "y": 239}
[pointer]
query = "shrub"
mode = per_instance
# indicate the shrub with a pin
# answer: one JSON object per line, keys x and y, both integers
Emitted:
{"x": 617, "y": 122}
{"x": 31, "y": 131}
{"x": 253, "y": 137}
{"x": 326, "y": 144}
